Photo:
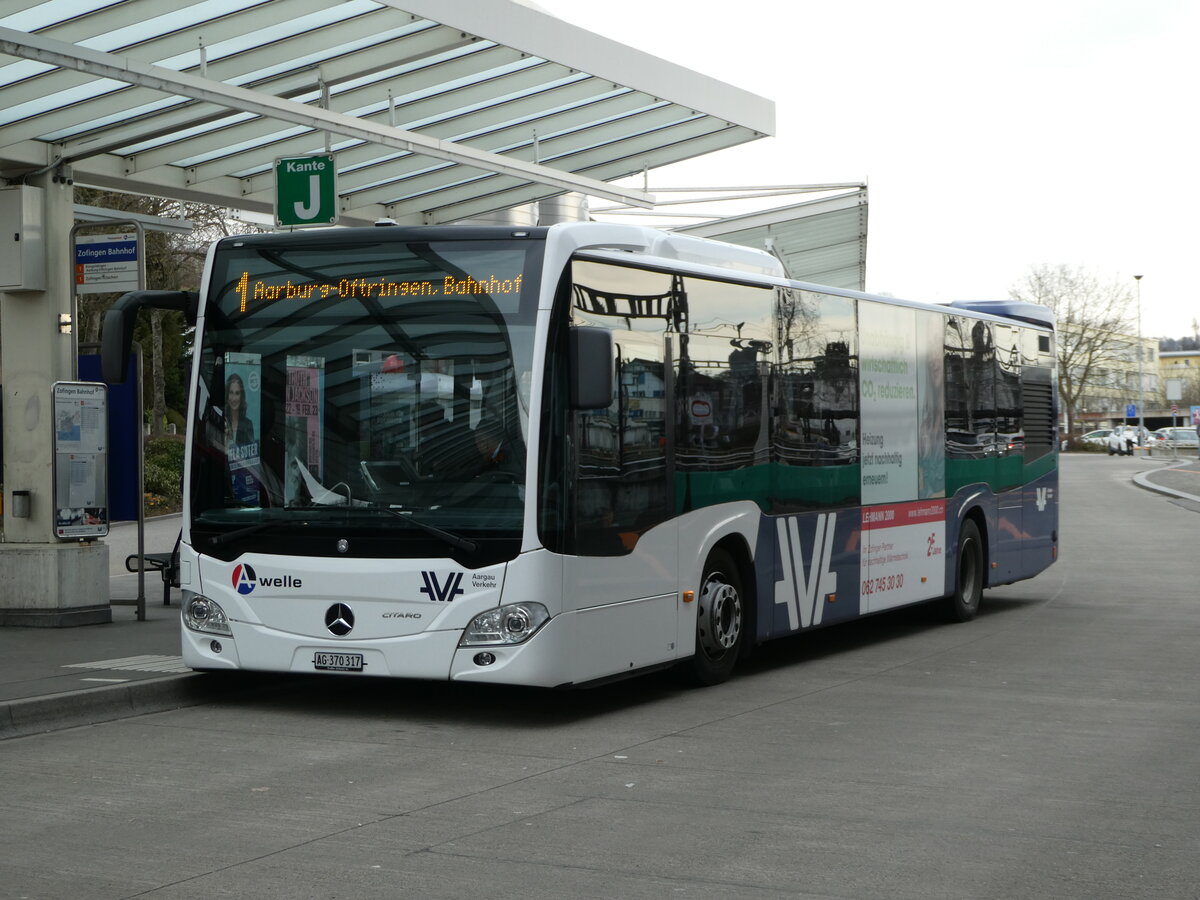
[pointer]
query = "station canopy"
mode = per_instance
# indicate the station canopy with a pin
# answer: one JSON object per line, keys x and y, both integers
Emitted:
{"x": 823, "y": 241}
{"x": 435, "y": 110}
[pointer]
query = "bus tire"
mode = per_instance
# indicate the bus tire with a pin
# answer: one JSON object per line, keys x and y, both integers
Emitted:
{"x": 721, "y": 619}
{"x": 963, "y": 604}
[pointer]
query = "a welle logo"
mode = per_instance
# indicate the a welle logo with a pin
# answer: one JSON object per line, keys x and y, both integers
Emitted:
{"x": 245, "y": 580}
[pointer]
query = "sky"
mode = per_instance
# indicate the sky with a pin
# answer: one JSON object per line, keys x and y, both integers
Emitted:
{"x": 993, "y": 137}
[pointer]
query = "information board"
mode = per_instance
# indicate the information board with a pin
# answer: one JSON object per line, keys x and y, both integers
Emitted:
{"x": 80, "y": 460}
{"x": 106, "y": 263}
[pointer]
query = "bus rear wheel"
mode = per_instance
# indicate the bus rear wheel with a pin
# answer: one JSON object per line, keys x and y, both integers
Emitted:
{"x": 963, "y": 604}
{"x": 721, "y": 618}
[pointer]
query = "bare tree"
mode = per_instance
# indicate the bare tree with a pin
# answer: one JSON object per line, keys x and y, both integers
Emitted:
{"x": 1094, "y": 324}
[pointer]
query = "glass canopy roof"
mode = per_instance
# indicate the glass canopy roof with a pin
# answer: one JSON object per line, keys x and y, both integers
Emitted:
{"x": 436, "y": 110}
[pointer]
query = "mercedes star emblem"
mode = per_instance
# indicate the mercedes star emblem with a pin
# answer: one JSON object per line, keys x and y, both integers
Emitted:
{"x": 339, "y": 619}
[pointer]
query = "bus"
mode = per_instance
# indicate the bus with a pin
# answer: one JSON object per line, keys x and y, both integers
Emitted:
{"x": 556, "y": 456}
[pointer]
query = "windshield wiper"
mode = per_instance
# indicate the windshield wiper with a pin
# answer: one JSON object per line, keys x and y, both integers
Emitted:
{"x": 454, "y": 540}
{"x": 272, "y": 517}
{"x": 224, "y": 538}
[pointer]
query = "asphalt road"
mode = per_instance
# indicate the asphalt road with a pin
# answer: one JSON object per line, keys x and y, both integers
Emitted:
{"x": 1047, "y": 749}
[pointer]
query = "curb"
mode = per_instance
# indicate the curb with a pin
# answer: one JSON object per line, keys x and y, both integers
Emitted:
{"x": 54, "y": 712}
{"x": 1144, "y": 480}
{"x": 71, "y": 709}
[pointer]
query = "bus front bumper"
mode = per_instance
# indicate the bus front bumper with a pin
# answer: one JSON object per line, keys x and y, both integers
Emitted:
{"x": 541, "y": 661}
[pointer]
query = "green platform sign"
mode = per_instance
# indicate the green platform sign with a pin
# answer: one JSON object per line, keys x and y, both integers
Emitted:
{"x": 306, "y": 191}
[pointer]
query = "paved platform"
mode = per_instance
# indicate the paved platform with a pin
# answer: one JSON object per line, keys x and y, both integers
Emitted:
{"x": 53, "y": 678}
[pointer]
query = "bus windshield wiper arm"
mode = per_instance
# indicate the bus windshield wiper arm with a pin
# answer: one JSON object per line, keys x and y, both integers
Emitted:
{"x": 226, "y": 537}
{"x": 460, "y": 543}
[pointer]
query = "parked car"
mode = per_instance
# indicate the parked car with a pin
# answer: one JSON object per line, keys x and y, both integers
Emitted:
{"x": 1099, "y": 437}
{"x": 1179, "y": 437}
{"x": 1124, "y": 438}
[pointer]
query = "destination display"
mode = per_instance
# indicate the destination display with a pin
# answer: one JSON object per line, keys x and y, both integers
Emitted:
{"x": 254, "y": 291}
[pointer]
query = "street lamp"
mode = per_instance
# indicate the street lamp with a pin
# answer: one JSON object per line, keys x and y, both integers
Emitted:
{"x": 1141, "y": 376}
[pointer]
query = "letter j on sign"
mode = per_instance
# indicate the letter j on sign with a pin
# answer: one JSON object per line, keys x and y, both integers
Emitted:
{"x": 306, "y": 191}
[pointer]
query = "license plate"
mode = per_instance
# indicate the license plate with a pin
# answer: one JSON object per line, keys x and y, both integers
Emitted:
{"x": 337, "y": 662}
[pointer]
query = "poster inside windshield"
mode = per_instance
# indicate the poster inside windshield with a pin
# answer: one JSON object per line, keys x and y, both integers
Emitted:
{"x": 243, "y": 403}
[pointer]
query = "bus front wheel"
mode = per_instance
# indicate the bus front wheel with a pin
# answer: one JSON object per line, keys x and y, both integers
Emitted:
{"x": 720, "y": 620}
{"x": 963, "y": 604}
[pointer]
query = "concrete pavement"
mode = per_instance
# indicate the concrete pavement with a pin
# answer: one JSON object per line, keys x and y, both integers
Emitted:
{"x": 54, "y": 678}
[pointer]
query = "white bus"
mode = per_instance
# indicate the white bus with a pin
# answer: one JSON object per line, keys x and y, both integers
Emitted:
{"x": 555, "y": 456}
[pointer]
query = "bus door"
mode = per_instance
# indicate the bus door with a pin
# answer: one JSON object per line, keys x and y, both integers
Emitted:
{"x": 622, "y": 571}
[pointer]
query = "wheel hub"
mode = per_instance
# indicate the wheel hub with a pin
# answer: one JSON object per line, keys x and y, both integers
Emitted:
{"x": 720, "y": 616}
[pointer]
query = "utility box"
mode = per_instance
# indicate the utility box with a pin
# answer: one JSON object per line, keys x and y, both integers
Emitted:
{"x": 22, "y": 239}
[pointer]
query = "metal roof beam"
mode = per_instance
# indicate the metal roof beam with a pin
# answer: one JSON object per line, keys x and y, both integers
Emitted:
{"x": 723, "y": 194}
{"x": 409, "y": 176}
{"x": 187, "y": 113}
{"x": 104, "y": 65}
{"x": 262, "y": 130}
{"x": 85, "y": 213}
{"x": 522, "y": 109}
{"x": 428, "y": 183}
{"x": 696, "y": 142}
{"x": 107, "y": 172}
{"x": 633, "y": 153}
{"x": 478, "y": 206}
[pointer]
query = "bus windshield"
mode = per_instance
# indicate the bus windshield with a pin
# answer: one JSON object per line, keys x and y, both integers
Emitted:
{"x": 366, "y": 397}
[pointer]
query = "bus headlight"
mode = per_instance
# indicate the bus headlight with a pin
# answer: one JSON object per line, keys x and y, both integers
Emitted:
{"x": 202, "y": 614}
{"x": 509, "y": 624}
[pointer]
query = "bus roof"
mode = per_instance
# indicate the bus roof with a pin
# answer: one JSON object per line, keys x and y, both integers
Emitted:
{"x": 629, "y": 243}
{"x": 1020, "y": 310}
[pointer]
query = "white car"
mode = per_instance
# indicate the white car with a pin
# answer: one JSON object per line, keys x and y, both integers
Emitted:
{"x": 1099, "y": 437}
{"x": 1180, "y": 437}
{"x": 1124, "y": 438}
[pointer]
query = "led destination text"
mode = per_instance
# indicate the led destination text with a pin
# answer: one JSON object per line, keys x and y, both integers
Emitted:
{"x": 378, "y": 288}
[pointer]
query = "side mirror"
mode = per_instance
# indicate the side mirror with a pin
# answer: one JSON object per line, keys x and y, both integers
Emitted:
{"x": 590, "y": 361}
{"x": 116, "y": 337}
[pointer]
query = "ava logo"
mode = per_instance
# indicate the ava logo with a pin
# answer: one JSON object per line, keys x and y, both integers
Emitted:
{"x": 803, "y": 591}
{"x": 443, "y": 593}
{"x": 932, "y": 548}
{"x": 243, "y": 579}
{"x": 1043, "y": 497}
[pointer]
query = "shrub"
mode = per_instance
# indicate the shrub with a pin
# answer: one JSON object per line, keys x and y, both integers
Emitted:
{"x": 1076, "y": 445}
{"x": 164, "y": 467}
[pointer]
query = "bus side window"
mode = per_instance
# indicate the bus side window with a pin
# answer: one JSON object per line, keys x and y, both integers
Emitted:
{"x": 816, "y": 427}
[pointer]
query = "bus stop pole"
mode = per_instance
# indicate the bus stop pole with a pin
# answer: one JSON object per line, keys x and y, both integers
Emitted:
{"x": 141, "y": 498}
